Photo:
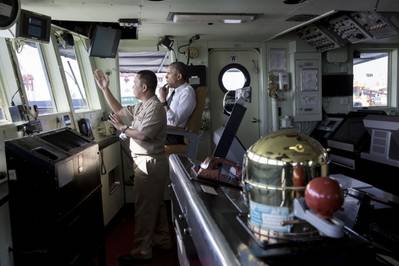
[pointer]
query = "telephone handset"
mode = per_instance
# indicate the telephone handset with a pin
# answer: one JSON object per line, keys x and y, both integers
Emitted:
{"x": 85, "y": 128}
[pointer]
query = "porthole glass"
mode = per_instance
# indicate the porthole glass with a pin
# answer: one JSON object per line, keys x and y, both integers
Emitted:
{"x": 233, "y": 77}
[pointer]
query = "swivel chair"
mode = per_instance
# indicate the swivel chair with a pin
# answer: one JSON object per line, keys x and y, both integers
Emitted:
{"x": 191, "y": 132}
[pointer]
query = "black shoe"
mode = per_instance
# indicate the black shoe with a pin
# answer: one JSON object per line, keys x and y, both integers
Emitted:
{"x": 163, "y": 249}
{"x": 127, "y": 260}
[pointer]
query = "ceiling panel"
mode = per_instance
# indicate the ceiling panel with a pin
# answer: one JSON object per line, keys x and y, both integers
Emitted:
{"x": 154, "y": 14}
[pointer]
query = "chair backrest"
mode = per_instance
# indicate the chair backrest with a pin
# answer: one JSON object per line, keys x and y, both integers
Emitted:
{"x": 191, "y": 132}
{"x": 194, "y": 122}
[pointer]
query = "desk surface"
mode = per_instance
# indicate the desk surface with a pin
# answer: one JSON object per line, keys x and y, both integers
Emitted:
{"x": 348, "y": 182}
{"x": 216, "y": 229}
{"x": 106, "y": 141}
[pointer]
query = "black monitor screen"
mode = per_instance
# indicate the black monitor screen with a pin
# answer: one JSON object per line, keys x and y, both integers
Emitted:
{"x": 230, "y": 131}
{"x": 337, "y": 85}
{"x": 33, "y": 26}
{"x": 352, "y": 128}
{"x": 105, "y": 42}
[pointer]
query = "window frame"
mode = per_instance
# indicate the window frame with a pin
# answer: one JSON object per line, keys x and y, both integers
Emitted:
{"x": 53, "y": 71}
{"x": 85, "y": 69}
{"x": 3, "y": 103}
{"x": 44, "y": 65}
{"x": 390, "y": 82}
{"x": 10, "y": 81}
{"x": 86, "y": 72}
{"x": 82, "y": 79}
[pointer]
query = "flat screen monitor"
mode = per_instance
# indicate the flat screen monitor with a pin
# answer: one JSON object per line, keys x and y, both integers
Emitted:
{"x": 230, "y": 130}
{"x": 237, "y": 149}
{"x": 105, "y": 42}
{"x": 337, "y": 85}
{"x": 33, "y": 26}
{"x": 352, "y": 129}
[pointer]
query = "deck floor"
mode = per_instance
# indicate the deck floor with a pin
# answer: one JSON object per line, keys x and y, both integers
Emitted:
{"x": 119, "y": 240}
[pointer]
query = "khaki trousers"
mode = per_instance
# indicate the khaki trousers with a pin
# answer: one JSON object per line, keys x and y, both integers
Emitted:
{"x": 151, "y": 175}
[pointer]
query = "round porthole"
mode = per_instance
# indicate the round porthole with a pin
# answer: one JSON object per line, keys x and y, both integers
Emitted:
{"x": 233, "y": 77}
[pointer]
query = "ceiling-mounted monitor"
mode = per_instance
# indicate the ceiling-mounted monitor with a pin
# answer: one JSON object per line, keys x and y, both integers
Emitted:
{"x": 105, "y": 42}
{"x": 9, "y": 12}
{"x": 87, "y": 28}
{"x": 33, "y": 26}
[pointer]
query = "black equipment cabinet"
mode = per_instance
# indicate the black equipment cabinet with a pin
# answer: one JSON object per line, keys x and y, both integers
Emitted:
{"x": 187, "y": 253}
{"x": 55, "y": 200}
{"x": 197, "y": 75}
{"x": 347, "y": 142}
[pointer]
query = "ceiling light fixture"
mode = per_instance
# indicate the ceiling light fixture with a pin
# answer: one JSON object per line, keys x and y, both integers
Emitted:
{"x": 293, "y": 2}
{"x": 129, "y": 22}
{"x": 207, "y": 18}
{"x": 232, "y": 21}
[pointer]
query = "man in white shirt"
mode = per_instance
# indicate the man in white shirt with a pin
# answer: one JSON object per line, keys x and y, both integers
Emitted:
{"x": 179, "y": 99}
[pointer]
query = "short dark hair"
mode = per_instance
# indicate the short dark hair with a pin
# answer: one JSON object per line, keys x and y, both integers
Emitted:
{"x": 148, "y": 78}
{"x": 181, "y": 68}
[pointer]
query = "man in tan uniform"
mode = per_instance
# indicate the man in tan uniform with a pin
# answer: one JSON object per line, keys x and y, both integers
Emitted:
{"x": 147, "y": 133}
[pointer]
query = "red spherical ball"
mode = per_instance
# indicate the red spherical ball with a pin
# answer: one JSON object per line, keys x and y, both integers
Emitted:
{"x": 324, "y": 196}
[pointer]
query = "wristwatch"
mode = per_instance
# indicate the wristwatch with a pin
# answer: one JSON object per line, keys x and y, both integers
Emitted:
{"x": 124, "y": 130}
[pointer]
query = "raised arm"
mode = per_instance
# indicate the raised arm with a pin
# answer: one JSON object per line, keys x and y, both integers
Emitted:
{"x": 103, "y": 83}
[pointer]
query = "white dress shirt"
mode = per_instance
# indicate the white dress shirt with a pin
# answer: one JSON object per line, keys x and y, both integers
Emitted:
{"x": 181, "y": 106}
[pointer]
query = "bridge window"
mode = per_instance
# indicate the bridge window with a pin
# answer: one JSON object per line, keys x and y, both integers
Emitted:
{"x": 370, "y": 79}
{"x": 132, "y": 62}
{"x": 126, "y": 85}
{"x": 2, "y": 105}
{"x": 73, "y": 78}
{"x": 2, "y": 116}
{"x": 34, "y": 78}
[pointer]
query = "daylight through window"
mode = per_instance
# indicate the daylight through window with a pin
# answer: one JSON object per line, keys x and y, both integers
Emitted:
{"x": 370, "y": 80}
{"x": 1, "y": 114}
{"x": 127, "y": 82}
{"x": 233, "y": 79}
{"x": 35, "y": 78}
{"x": 74, "y": 79}
{"x": 132, "y": 62}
